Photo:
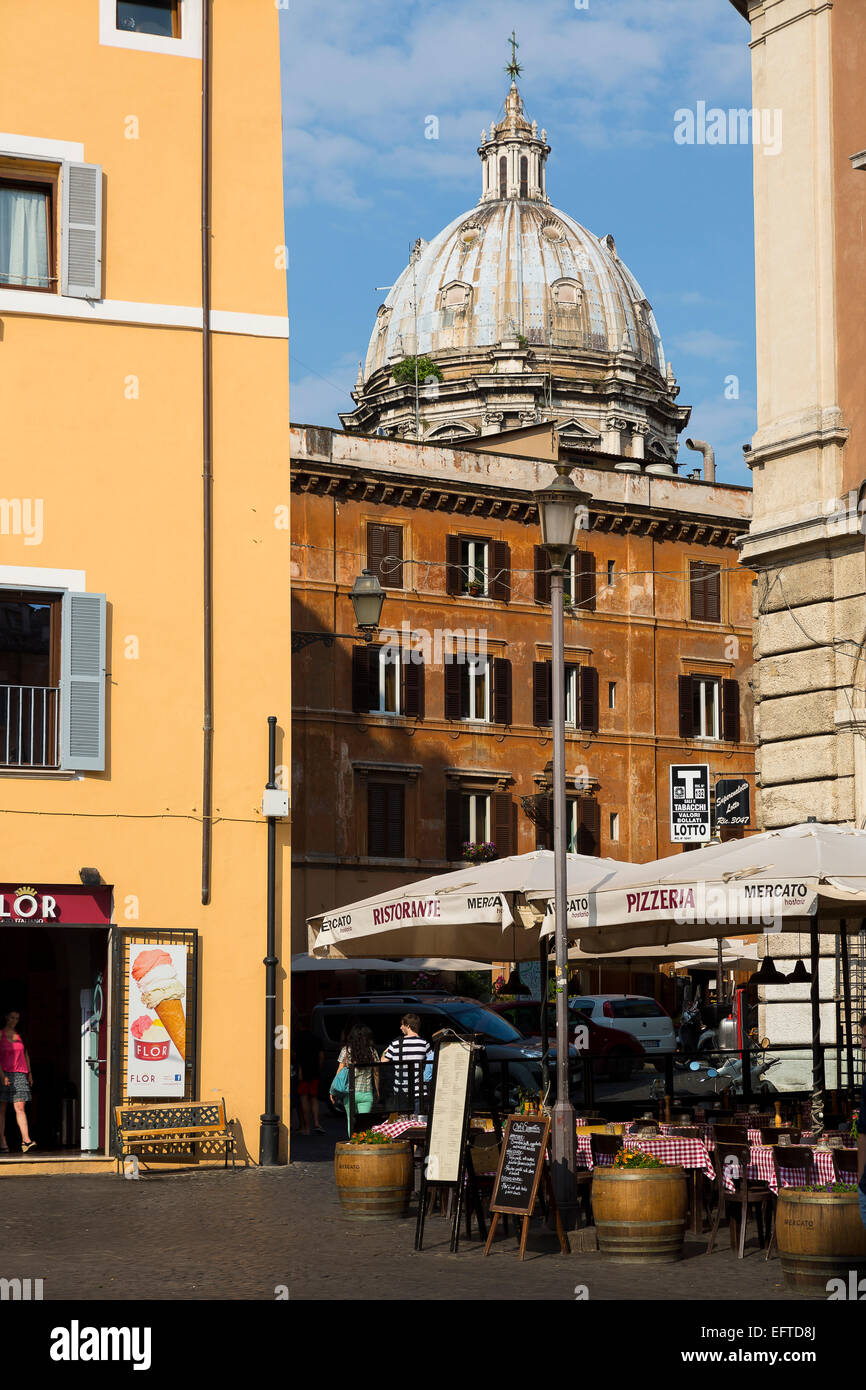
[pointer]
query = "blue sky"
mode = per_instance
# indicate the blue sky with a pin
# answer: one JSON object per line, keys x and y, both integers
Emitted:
{"x": 362, "y": 181}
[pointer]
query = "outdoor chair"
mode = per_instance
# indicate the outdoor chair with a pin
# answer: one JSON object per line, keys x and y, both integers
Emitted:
{"x": 845, "y": 1165}
{"x": 684, "y": 1132}
{"x": 798, "y": 1160}
{"x": 746, "y": 1194}
{"x": 771, "y": 1136}
{"x": 604, "y": 1148}
{"x": 730, "y": 1134}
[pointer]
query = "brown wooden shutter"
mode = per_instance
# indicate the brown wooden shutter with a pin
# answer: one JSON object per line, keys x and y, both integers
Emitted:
{"x": 375, "y": 818}
{"x": 588, "y": 700}
{"x": 501, "y": 690}
{"x": 453, "y": 577}
{"x": 542, "y": 575}
{"x": 452, "y": 690}
{"x": 375, "y": 548}
{"x": 544, "y": 824}
{"x": 687, "y": 707}
{"x": 413, "y": 689}
{"x": 385, "y": 554}
{"x": 503, "y": 816}
{"x": 731, "y": 711}
{"x": 453, "y": 826}
{"x": 542, "y": 693}
{"x": 500, "y": 587}
{"x": 589, "y": 825}
{"x": 698, "y": 590}
{"x": 395, "y": 822}
{"x": 365, "y": 668}
{"x": 713, "y": 594}
{"x": 584, "y": 569}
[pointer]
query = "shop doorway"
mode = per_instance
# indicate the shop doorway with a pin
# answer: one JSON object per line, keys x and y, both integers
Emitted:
{"x": 55, "y": 977}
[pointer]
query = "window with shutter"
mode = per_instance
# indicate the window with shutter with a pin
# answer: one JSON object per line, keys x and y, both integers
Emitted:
{"x": 542, "y": 693}
{"x": 413, "y": 689}
{"x": 503, "y": 818}
{"x": 81, "y": 231}
{"x": 542, "y": 575}
{"x": 452, "y": 690}
{"x": 386, "y": 820}
{"x": 29, "y": 679}
{"x": 160, "y": 17}
{"x": 475, "y": 695}
{"x": 731, "y": 711}
{"x": 82, "y": 682}
{"x": 705, "y": 589}
{"x": 584, "y": 578}
{"x": 544, "y": 822}
{"x": 27, "y": 201}
{"x": 687, "y": 717}
{"x": 453, "y": 826}
{"x": 385, "y": 554}
{"x": 453, "y": 580}
{"x": 365, "y": 679}
{"x": 500, "y": 578}
{"x": 589, "y": 825}
{"x": 589, "y": 699}
{"x": 501, "y": 690}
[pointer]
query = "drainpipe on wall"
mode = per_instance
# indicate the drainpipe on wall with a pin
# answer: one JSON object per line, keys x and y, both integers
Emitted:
{"x": 701, "y": 447}
{"x": 207, "y": 463}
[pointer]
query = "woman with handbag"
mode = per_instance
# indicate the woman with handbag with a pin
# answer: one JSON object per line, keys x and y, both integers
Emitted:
{"x": 360, "y": 1053}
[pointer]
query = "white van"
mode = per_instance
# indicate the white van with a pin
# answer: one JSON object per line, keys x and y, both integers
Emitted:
{"x": 637, "y": 1014}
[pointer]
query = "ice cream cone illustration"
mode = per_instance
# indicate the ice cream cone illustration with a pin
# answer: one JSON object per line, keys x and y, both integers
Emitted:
{"x": 163, "y": 992}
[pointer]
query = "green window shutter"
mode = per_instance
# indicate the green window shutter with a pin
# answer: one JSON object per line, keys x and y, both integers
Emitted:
{"x": 82, "y": 682}
{"x": 81, "y": 231}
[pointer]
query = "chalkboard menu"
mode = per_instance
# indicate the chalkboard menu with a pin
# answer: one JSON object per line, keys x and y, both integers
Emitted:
{"x": 524, "y": 1145}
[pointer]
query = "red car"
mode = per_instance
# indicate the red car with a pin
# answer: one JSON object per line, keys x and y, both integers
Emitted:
{"x": 614, "y": 1052}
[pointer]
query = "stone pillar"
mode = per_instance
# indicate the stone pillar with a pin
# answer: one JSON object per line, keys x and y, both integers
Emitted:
{"x": 639, "y": 432}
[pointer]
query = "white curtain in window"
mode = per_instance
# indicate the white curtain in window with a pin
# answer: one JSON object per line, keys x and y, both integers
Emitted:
{"x": 23, "y": 238}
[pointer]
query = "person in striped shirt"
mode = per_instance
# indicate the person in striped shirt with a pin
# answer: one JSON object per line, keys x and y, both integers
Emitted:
{"x": 409, "y": 1080}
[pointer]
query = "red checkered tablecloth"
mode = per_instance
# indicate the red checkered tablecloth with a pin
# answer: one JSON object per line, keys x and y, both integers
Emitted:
{"x": 687, "y": 1153}
{"x": 394, "y": 1128}
{"x": 762, "y": 1169}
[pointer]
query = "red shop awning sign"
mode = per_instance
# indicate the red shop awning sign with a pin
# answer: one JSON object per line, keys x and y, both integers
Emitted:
{"x": 57, "y": 905}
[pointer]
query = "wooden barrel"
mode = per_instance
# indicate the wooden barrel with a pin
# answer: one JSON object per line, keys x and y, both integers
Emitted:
{"x": 640, "y": 1216}
{"x": 821, "y": 1236}
{"x": 373, "y": 1180}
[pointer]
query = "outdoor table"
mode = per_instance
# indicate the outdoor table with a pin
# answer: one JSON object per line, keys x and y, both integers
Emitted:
{"x": 762, "y": 1169}
{"x": 665, "y": 1129}
{"x": 392, "y": 1129}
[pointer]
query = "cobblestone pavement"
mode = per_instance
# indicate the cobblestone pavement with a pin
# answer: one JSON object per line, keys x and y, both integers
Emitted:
{"x": 240, "y": 1235}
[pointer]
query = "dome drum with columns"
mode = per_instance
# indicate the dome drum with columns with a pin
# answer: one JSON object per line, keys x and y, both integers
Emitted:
{"x": 528, "y": 317}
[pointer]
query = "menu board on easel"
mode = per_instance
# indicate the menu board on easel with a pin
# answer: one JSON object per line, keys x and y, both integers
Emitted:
{"x": 520, "y": 1165}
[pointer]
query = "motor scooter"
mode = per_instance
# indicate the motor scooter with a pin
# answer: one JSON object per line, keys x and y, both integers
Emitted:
{"x": 729, "y": 1076}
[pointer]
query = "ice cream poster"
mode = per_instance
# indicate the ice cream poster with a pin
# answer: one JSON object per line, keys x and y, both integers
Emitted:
{"x": 157, "y": 1021}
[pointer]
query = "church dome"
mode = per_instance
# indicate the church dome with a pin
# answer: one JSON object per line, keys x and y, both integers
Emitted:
{"x": 526, "y": 317}
{"x": 515, "y": 268}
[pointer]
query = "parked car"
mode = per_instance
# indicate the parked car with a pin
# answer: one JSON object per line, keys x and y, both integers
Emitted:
{"x": 615, "y": 1053}
{"x": 637, "y": 1014}
{"x": 381, "y": 1012}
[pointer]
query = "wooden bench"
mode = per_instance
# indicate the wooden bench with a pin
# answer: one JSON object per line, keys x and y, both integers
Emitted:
{"x": 152, "y": 1130}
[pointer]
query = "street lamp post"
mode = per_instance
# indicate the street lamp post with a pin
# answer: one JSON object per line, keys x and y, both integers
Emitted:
{"x": 562, "y": 509}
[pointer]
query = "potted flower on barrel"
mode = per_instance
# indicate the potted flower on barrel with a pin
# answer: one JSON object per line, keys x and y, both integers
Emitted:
{"x": 640, "y": 1208}
{"x": 479, "y": 851}
{"x": 373, "y": 1175}
{"x": 821, "y": 1238}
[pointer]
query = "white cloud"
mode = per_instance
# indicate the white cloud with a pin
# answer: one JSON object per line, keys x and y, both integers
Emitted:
{"x": 703, "y": 342}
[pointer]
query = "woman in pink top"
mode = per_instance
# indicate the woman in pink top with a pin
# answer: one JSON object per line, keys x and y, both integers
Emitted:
{"x": 16, "y": 1081}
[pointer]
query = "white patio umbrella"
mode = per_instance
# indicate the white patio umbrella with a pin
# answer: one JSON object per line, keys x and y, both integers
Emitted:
{"x": 474, "y": 911}
{"x": 735, "y": 954}
{"x": 813, "y": 874}
{"x": 761, "y": 883}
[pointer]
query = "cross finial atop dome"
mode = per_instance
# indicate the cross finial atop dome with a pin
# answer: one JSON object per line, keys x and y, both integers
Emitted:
{"x": 514, "y": 68}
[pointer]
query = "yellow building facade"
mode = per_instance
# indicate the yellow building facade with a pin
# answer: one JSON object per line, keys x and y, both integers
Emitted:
{"x": 144, "y": 555}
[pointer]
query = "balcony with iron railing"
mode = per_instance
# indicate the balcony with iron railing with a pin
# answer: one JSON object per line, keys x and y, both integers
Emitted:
{"x": 29, "y": 726}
